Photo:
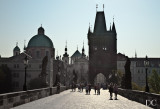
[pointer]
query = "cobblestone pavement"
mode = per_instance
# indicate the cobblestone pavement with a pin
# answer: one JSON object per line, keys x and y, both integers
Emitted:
{"x": 79, "y": 100}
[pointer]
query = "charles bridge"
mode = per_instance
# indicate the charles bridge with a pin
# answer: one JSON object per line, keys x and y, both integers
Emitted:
{"x": 131, "y": 98}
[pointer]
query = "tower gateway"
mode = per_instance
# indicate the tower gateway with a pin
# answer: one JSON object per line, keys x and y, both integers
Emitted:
{"x": 102, "y": 49}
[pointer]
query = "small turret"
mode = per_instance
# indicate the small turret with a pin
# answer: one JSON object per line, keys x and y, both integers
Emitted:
{"x": 16, "y": 50}
{"x": 41, "y": 30}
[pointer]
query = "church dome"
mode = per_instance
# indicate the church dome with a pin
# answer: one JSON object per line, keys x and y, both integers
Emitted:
{"x": 16, "y": 48}
{"x": 40, "y": 40}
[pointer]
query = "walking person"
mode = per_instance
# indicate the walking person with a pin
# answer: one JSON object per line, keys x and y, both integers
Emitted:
{"x": 58, "y": 87}
{"x": 98, "y": 89}
{"x": 115, "y": 91}
{"x": 95, "y": 88}
{"x": 111, "y": 90}
{"x": 87, "y": 88}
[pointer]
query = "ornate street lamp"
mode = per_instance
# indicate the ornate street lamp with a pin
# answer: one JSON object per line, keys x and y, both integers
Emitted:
{"x": 146, "y": 64}
{"x": 26, "y": 65}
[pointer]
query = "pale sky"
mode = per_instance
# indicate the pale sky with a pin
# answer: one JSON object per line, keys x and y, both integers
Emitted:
{"x": 137, "y": 23}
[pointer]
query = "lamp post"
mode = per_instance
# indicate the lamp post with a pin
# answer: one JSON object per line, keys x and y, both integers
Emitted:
{"x": 146, "y": 64}
{"x": 26, "y": 64}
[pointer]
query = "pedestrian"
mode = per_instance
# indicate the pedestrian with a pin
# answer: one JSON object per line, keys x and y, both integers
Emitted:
{"x": 95, "y": 88}
{"x": 111, "y": 90}
{"x": 82, "y": 87}
{"x": 87, "y": 89}
{"x": 58, "y": 87}
{"x": 98, "y": 89}
{"x": 72, "y": 86}
{"x": 115, "y": 91}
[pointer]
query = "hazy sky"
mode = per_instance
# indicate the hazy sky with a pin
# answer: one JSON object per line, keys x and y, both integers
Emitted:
{"x": 137, "y": 23}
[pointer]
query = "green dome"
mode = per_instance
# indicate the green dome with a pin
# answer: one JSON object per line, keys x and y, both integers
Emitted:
{"x": 40, "y": 40}
{"x": 16, "y": 48}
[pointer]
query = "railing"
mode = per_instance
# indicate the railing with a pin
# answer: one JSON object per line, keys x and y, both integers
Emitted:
{"x": 9, "y": 100}
{"x": 148, "y": 99}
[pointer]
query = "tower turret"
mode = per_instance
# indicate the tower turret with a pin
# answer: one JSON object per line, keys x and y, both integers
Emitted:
{"x": 65, "y": 55}
{"x": 16, "y": 50}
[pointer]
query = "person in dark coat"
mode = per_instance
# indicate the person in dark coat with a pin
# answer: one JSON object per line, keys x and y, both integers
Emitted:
{"x": 95, "y": 88}
{"x": 115, "y": 91}
{"x": 111, "y": 90}
{"x": 58, "y": 87}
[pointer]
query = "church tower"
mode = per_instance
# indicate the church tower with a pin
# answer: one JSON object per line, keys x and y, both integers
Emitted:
{"x": 66, "y": 56}
{"x": 102, "y": 48}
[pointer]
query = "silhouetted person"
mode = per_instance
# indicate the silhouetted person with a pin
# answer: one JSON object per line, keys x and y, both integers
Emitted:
{"x": 58, "y": 87}
{"x": 115, "y": 91}
{"x": 87, "y": 88}
{"x": 111, "y": 90}
{"x": 95, "y": 88}
{"x": 98, "y": 89}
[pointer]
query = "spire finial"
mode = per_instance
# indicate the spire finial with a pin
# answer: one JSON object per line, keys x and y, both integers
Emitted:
{"x": 66, "y": 43}
{"x": 41, "y": 25}
{"x": 16, "y": 43}
{"x": 113, "y": 18}
{"x": 103, "y": 7}
{"x": 77, "y": 47}
{"x": 96, "y": 7}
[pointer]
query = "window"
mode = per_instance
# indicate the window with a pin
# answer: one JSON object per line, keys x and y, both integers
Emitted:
{"x": 38, "y": 54}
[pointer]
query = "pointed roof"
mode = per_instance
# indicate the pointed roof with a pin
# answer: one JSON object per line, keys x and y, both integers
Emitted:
{"x": 100, "y": 23}
{"x": 113, "y": 26}
{"x": 77, "y": 54}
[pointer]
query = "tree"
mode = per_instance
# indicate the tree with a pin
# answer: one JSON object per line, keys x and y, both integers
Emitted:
{"x": 5, "y": 79}
{"x": 154, "y": 81}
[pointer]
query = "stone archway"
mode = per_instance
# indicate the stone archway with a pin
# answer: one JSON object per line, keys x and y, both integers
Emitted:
{"x": 100, "y": 78}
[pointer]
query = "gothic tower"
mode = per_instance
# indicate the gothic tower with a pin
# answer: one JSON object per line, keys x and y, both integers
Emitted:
{"x": 66, "y": 56}
{"x": 102, "y": 48}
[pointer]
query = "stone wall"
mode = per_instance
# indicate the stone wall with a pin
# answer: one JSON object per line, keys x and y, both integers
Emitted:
{"x": 9, "y": 100}
{"x": 148, "y": 99}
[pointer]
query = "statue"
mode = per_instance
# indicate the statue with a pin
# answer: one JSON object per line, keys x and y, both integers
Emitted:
{"x": 44, "y": 65}
{"x": 74, "y": 77}
{"x": 127, "y": 78}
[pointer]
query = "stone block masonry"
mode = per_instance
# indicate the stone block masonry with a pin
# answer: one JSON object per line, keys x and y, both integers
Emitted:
{"x": 9, "y": 100}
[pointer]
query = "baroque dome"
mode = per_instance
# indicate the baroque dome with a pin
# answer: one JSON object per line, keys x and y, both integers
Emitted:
{"x": 40, "y": 40}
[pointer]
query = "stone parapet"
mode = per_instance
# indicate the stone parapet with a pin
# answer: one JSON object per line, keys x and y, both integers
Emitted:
{"x": 148, "y": 99}
{"x": 9, "y": 100}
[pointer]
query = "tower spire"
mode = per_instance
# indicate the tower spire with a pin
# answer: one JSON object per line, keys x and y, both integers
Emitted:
{"x": 135, "y": 54}
{"x": 103, "y": 7}
{"x": 96, "y": 7}
{"x": 113, "y": 26}
{"x": 83, "y": 50}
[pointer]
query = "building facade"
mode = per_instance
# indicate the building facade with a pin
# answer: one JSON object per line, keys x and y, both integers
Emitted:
{"x": 38, "y": 47}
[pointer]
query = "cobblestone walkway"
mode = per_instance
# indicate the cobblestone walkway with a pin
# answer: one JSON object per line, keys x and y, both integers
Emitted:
{"x": 79, "y": 100}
